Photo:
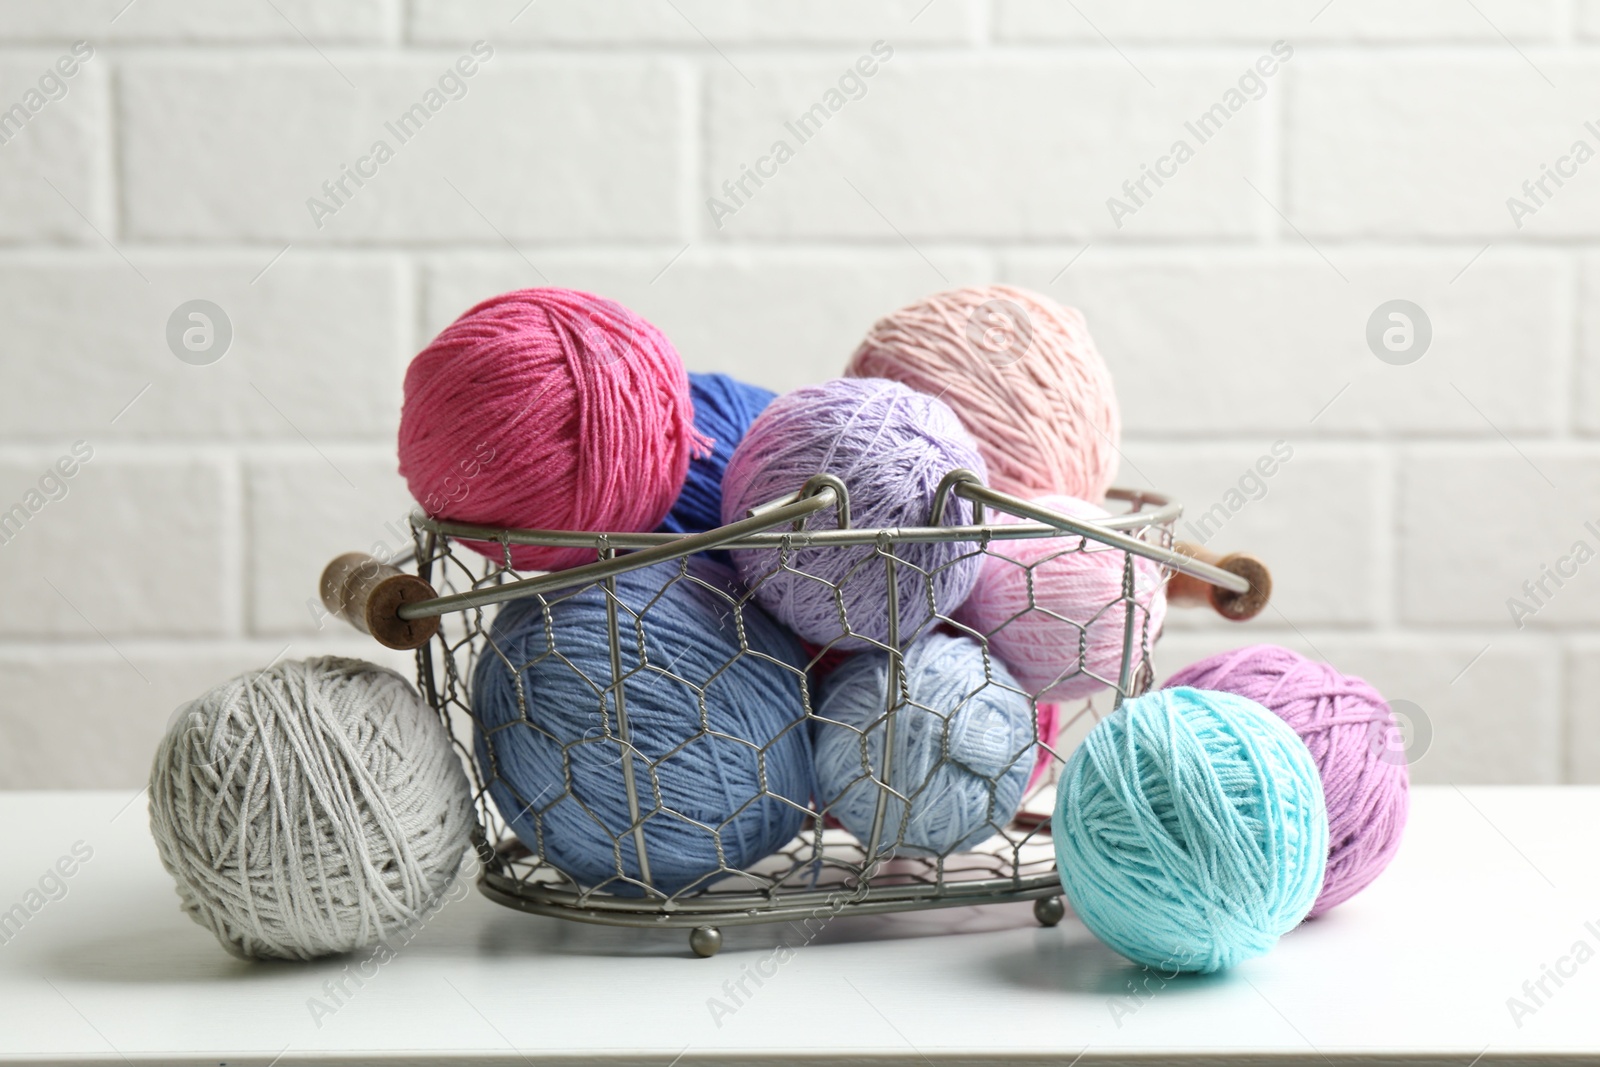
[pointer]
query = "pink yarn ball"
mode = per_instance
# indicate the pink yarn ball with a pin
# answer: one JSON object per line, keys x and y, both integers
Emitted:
{"x": 1049, "y": 726}
{"x": 1061, "y": 633}
{"x": 547, "y": 409}
{"x": 1348, "y": 727}
{"x": 1022, "y": 374}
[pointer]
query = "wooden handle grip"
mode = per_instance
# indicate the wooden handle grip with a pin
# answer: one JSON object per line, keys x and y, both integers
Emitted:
{"x": 1187, "y": 591}
{"x": 367, "y": 593}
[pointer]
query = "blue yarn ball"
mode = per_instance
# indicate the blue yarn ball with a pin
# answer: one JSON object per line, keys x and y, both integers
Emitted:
{"x": 1191, "y": 830}
{"x": 963, "y": 746}
{"x": 715, "y": 711}
{"x": 724, "y": 408}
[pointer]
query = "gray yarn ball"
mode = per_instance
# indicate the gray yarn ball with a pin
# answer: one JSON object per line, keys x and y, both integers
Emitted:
{"x": 309, "y": 809}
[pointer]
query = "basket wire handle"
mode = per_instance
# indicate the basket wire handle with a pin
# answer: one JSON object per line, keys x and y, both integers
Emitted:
{"x": 398, "y": 609}
{"x": 778, "y": 515}
{"x": 969, "y": 486}
{"x": 367, "y": 593}
{"x": 814, "y": 485}
{"x": 1226, "y": 602}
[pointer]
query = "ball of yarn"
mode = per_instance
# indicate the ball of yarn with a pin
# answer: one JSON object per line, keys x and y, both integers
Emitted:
{"x": 1022, "y": 373}
{"x": 724, "y": 408}
{"x": 712, "y": 693}
{"x": 891, "y": 447}
{"x": 1190, "y": 830}
{"x": 963, "y": 746}
{"x": 1053, "y": 609}
{"x": 1347, "y": 725}
{"x": 312, "y": 808}
{"x": 547, "y": 409}
{"x": 1050, "y": 722}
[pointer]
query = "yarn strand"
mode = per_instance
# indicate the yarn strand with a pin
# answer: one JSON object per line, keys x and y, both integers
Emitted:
{"x": 309, "y": 809}
{"x": 1346, "y": 725}
{"x": 1190, "y": 830}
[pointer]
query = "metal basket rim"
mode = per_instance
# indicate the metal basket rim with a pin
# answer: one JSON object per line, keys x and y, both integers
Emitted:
{"x": 1166, "y": 511}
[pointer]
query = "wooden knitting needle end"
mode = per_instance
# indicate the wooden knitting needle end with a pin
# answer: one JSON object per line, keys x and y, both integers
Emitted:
{"x": 368, "y": 594}
{"x": 1188, "y": 591}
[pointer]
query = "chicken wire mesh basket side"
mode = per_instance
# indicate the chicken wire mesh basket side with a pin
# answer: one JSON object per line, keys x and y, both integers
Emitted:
{"x": 823, "y": 868}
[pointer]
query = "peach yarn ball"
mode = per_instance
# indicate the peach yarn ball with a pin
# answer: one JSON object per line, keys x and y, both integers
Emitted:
{"x": 1023, "y": 375}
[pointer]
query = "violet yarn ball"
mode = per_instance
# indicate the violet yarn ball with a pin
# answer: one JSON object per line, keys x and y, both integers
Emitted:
{"x": 547, "y": 409}
{"x": 1052, "y": 608}
{"x": 1348, "y": 727}
{"x": 1023, "y": 375}
{"x": 891, "y": 447}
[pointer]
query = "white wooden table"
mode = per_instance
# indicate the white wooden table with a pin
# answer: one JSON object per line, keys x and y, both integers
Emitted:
{"x": 1493, "y": 885}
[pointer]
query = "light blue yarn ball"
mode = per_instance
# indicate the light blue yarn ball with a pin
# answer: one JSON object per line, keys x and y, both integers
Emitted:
{"x": 712, "y": 691}
{"x": 1190, "y": 830}
{"x": 963, "y": 746}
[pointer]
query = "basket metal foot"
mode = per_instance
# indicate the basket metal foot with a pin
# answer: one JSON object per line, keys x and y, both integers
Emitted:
{"x": 1049, "y": 910}
{"x": 706, "y": 941}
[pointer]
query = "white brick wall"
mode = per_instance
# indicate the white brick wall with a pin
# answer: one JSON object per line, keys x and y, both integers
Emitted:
{"x": 1233, "y": 305}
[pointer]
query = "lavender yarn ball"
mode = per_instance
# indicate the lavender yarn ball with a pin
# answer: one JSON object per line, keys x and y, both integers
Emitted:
{"x": 891, "y": 447}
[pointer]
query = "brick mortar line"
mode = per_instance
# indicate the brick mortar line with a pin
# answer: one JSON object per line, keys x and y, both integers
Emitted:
{"x": 237, "y": 548}
{"x": 411, "y": 305}
{"x": 697, "y": 158}
{"x": 1388, "y": 510}
{"x": 1570, "y": 354}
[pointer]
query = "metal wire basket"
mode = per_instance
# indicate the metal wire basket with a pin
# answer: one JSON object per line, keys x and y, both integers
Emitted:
{"x": 443, "y": 610}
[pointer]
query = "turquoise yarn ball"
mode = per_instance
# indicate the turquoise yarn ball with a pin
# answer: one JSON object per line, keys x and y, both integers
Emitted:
{"x": 964, "y": 746}
{"x": 1190, "y": 830}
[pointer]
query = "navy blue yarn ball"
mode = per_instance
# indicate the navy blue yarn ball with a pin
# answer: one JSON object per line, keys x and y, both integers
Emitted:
{"x": 724, "y": 408}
